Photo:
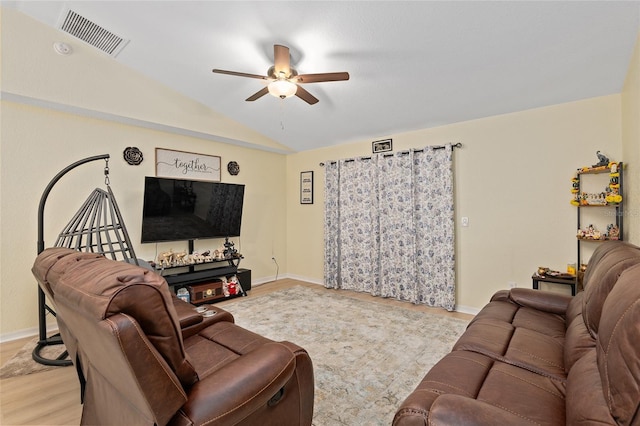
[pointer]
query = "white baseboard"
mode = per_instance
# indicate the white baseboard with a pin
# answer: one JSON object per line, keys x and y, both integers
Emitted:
{"x": 270, "y": 279}
{"x": 27, "y": 332}
{"x": 305, "y": 279}
{"x": 458, "y": 308}
{"x": 467, "y": 309}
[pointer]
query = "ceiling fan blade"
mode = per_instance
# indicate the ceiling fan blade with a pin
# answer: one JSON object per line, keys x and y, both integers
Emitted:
{"x": 306, "y": 96}
{"x": 281, "y": 60}
{"x": 260, "y": 93}
{"x": 240, "y": 74}
{"x": 317, "y": 78}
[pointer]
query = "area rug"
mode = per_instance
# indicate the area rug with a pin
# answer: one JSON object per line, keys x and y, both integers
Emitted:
{"x": 367, "y": 357}
{"x": 22, "y": 363}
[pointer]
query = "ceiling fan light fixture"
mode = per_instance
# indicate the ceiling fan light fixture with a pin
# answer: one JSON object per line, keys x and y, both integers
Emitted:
{"x": 282, "y": 88}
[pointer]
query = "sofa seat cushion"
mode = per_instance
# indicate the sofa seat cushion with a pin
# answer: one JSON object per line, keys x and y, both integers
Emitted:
{"x": 543, "y": 353}
{"x": 478, "y": 377}
{"x": 552, "y": 325}
{"x": 523, "y": 393}
{"x": 518, "y": 335}
{"x": 459, "y": 373}
{"x": 510, "y": 312}
{"x": 486, "y": 336}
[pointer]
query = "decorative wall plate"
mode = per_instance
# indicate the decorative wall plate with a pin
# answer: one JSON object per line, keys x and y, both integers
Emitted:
{"x": 132, "y": 155}
{"x": 233, "y": 168}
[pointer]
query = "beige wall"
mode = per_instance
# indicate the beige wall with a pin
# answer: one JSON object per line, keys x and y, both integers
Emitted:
{"x": 631, "y": 146}
{"x": 37, "y": 142}
{"x": 512, "y": 181}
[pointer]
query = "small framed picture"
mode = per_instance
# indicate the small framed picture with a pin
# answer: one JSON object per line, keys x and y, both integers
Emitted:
{"x": 306, "y": 187}
{"x": 382, "y": 146}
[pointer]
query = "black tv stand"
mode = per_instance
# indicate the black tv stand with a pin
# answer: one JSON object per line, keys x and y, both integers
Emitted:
{"x": 179, "y": 276}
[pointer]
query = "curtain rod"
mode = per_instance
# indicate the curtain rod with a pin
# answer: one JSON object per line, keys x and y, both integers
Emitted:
{"x": 455, "y": 145}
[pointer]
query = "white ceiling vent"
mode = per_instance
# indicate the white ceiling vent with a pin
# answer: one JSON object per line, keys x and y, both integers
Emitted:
{"x": 92, "y": 33}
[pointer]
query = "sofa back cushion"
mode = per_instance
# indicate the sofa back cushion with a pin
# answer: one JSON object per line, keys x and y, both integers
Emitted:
{"x": 99, "y": 287}
{"x": 608, "y": 261}
{"x": 618, "y": 348}
{"x": 577, "y": 340}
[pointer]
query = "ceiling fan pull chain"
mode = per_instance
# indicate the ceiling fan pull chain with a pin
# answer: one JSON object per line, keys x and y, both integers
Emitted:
{"x": 281, "y": 102}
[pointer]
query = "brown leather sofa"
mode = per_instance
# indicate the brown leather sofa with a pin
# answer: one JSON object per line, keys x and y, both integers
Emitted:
{"x": 146, "y": 357}
{"x": 539, "y": 358}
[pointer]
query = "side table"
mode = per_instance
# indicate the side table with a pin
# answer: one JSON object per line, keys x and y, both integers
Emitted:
{"x": 554, "y": 280}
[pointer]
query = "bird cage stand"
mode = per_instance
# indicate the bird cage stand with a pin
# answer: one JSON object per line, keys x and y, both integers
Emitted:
{"x": 97, "y": 227}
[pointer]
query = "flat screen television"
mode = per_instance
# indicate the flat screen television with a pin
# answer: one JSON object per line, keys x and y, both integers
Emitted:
{"x": 179, "y": 209}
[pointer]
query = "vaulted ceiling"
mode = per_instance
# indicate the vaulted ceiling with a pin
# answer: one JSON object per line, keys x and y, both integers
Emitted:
{"x": 412, "y": 65}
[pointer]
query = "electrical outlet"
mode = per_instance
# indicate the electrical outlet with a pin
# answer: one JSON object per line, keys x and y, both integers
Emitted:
{"x": 513, "y": 284}
{"x": 465, "y": 221}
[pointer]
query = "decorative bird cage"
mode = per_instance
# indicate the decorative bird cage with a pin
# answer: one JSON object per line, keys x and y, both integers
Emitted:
{"x": 98, "y": 227}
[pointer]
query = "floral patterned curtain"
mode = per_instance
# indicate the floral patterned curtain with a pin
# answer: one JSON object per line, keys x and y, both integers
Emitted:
{"x": 389, "y": 226}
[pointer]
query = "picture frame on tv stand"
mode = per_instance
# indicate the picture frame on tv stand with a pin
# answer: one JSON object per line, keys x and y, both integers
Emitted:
{"x": 187, "y": 165}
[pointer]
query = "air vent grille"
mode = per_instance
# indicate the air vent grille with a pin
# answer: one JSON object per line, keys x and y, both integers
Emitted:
{"x": 92, "y": 33}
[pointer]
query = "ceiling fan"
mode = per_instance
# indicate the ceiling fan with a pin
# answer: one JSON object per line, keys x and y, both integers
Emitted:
{"x": 284, "y": 80}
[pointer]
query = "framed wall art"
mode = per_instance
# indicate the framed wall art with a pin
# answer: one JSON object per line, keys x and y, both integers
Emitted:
{"x": 187, "y": 165}
{"x": 382, "y": 146}
{"x": 306, "y": 187}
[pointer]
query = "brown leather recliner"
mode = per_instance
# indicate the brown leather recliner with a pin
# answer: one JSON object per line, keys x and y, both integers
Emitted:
{"x": 143, "y": 364}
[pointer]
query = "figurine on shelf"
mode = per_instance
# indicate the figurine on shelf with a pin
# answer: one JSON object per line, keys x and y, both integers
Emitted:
{"x": 613, "y": 197}
{"x": 207, "y": 256}
{"x": 233, "y": 285}
{"x": 196, "y": 257}
{"x": 575, "y": 190}
{"x": 613, "y": 232}
{"x": 229, "y": 250}
{"x": 225, "y": 287}
{"x": 598, "y": 199}
{"x": 165, "y": 259}
{"x": 583, "y": 199}
{"x": 602, "y": 160}
{"x": 591, "y": 233}
{"x": 179, "y": 258}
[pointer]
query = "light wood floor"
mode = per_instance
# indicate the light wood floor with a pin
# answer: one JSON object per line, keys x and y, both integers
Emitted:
{"x": 53, "y": 397}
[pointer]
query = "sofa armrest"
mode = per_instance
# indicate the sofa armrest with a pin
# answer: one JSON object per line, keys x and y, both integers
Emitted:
{"x": 457, "y": 410}
{"x": 546, "y": 301}
{"x": 239, "y": 388}
{"x": 500, "y": 296}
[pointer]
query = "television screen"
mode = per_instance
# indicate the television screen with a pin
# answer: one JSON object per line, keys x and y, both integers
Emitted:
{"x": 178, "y": 209}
